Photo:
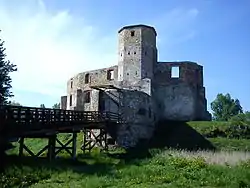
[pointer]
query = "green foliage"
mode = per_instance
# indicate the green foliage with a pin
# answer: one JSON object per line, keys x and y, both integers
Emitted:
{"x": 245, "y": 164}
{"x": 231, "y": 144}
{"x": 242, "y": 119}
{"x": 164, "y": 169}
{"x": 190, "y": 164}
{"x": 205, "y": 127}
{"x": 5, "y": 80}
{"x": 14, "y": 176}
{"x": 160, "y": 171}
{"x": 232, "y": 131}
{"x": 56, "y": 106}
{"x": 224, "y": 107}
{"x": 216, "y": 129}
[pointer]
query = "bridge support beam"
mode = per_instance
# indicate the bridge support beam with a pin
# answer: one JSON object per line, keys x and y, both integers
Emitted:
{"x": 53, "y": 147}
{"x": 94, "y": 138}
{"x": 71, "y": 150}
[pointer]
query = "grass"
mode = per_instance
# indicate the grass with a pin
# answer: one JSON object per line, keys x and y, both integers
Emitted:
{"x": 165, "y": 169}
{"x": 206, "y": 127}
{"x": 222, "y": 129}
{"x": 201, "y": 126}
{"x": 231, "y": 144}
{"x": 221, "y": 157}
{"x": 228, "y": 167}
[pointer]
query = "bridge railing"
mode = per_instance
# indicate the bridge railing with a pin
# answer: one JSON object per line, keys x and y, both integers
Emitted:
{"x": 32, "y": 118}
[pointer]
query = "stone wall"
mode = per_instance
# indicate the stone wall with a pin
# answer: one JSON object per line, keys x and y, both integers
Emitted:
{"x": 147, "y": 89}
{"x": 81, "y": 84}
{"x": 136, "y": 109}
{"x": 144, "y": 85}
{"x": 182, "y": 96}
{"x": 176, "y": 102}
{"x": 137, "y": 52}
{"x": 189, "y": 72}
{"x": 63, "y": 103}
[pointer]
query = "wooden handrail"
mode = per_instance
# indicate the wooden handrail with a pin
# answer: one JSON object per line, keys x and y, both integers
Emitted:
{"x": 32, "y": 118}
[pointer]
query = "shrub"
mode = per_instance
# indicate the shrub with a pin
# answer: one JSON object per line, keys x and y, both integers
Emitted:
{"x": 242, "y": 119}
{"x": 238, "y": 127}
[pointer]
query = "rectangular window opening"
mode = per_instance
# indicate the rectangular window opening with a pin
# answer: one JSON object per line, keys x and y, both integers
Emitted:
{"x": 110, "y": 75}
{"x": 87, "y": 78}
{"x": 70, "y": 100}
{"x": 132, "y": 33}
{"x": 87, "y": 96}
{"x": 175, "y": 72}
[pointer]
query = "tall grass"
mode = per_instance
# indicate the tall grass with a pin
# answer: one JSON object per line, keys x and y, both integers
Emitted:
{"x": 221, "y": 157}
{"x": 228, "y": 167}
{"x": 168, "y": 169}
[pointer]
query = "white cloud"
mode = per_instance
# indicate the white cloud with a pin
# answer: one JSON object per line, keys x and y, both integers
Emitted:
{"x": 49, "y": 48}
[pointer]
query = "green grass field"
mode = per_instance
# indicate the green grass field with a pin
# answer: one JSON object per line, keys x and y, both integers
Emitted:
{"x": 229, "y": 167}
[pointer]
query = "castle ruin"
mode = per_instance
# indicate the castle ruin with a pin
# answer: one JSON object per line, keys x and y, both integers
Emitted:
{"x": 140, "y": 88}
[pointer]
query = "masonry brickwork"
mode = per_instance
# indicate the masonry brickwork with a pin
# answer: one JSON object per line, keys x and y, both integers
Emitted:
{"x": 144, "y": 90}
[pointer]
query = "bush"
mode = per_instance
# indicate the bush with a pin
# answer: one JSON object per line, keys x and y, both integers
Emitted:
{"x": 238, "y": 127}
{"x": 232, "y": 131}
{"x": 241, "y": 119}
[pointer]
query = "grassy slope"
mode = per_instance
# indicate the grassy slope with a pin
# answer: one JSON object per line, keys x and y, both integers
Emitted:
{"x": 163, "y": 170}
{"x": 204, "y": 127}
{"x": 207, "y": 126}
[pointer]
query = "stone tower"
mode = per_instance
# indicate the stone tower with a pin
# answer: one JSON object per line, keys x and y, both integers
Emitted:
{"x": 137, "y": 52}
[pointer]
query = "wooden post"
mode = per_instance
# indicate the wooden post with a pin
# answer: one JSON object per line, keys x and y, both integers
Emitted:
{"x": 21, "y": 146}
{"x": 90, "y": 140}
{"x": 52, "y": 147}
{"x": 74, "y": 145}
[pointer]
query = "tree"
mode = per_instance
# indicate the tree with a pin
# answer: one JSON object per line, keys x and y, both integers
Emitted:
{"x": 56, "y": 106}
{"x": 5, "y": 80}
{"x": 224, "y": 107}
{"x": 42, "y": 106}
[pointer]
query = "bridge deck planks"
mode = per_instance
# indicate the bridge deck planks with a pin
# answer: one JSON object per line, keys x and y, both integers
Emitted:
{"x": 19, "y": 120}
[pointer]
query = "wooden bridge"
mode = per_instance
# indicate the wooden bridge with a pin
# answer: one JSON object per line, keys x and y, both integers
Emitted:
{"x": 29, "y": 122}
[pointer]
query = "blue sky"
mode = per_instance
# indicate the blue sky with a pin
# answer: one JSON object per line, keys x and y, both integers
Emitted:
{"x": 52, "y": 40}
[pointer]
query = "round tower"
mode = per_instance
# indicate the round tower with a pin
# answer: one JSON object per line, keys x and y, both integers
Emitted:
{"x": 137, "y": 52}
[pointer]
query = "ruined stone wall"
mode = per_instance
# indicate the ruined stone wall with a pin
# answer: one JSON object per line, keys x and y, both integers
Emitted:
{"x": 189, "y": 72}
{"x": 143, "y": 85}
{"x": 181, "y": 97}
{"x": 147, "y": 91}
{"x": 77, "y": 88}
{"x": 136, "y": 52}
{"x": 136, "y": 109}
{"x": 63, "y": 103}
{"x": 176, "y": 102}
